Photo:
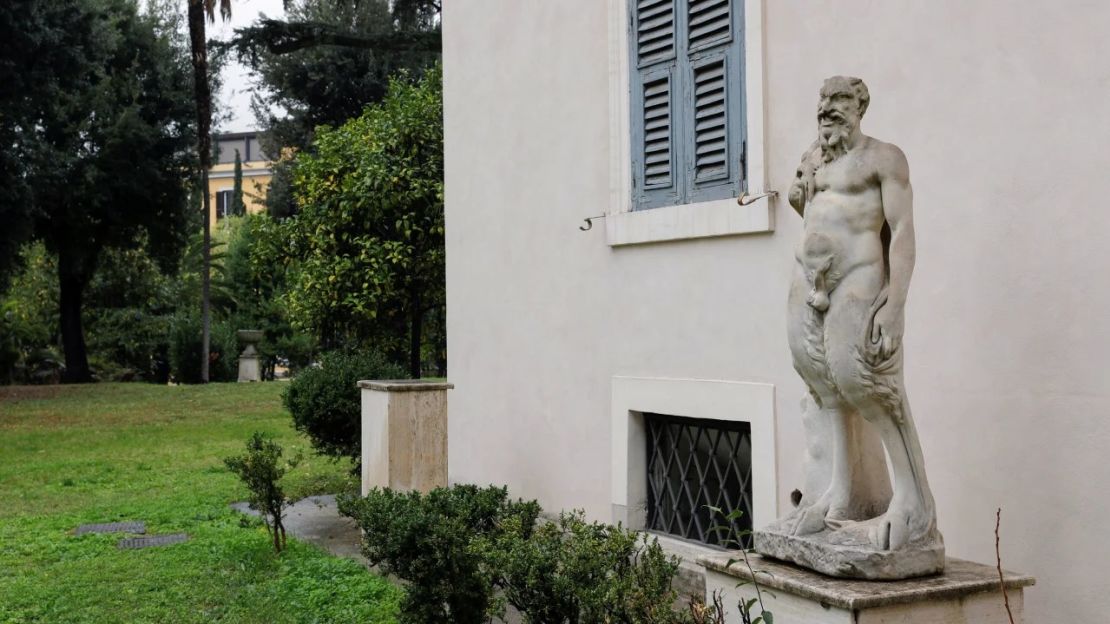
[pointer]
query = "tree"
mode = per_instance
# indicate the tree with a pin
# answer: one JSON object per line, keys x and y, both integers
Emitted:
{"x": 366, "y": 249}
{"x": 202, "y": 93}
{"x": 46, "y": 49}
{"x": 238, "y": 208}
{"x": 103, "y": 150}
{"x": 327, "y": 62}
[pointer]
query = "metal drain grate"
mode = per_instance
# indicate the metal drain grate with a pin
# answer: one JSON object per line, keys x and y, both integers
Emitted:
{"x": 111, "y": 527}
{"x": 153, "y": 540}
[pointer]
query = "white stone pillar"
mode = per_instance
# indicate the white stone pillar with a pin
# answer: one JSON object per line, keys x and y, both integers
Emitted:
{"x": 964, "y": 593}
{"x": 404, "y": 434}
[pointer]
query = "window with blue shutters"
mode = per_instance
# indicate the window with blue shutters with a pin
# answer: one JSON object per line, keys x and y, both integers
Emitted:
{"x": 687, "y": 94}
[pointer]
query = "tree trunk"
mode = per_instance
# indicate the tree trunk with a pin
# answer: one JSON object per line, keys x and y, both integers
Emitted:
{"x": 71, "y": 283}
{"x": 415, "y": 335}
{"x": 206, "y": 288}
{"x": 203, "y": 96}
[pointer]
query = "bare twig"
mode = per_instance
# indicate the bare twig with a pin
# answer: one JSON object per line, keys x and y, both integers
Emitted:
{"x": 998, "y": 558}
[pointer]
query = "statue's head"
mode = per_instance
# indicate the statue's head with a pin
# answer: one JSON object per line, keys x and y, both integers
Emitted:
{"x": 843, "y": 102}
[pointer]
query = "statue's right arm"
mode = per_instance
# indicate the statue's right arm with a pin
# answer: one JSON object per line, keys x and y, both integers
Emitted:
{"x": 802, "y": 188}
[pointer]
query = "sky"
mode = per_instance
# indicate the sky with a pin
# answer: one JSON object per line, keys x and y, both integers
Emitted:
{"x": 235, "y": 95}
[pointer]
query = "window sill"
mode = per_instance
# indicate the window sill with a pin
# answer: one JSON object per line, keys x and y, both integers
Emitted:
{"x": 703, "y": 220}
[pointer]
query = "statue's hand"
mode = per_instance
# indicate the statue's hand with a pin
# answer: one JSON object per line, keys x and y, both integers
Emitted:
{"x": 886, "y": 331}
{"x": 804, "y": 185}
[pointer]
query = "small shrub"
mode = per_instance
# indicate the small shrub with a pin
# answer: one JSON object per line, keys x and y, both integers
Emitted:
{"x": 571, "y": 571}
{"x": 185, "y": 350}
{"x": 325, "y": 401}
{"x": 261, "y": 470}
{"x": 433, "y": 542}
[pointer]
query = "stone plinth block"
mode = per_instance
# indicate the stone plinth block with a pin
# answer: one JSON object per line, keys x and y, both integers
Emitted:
{"x": 966, "y": 593}
{"x": 847, "y": 558}
{"x": 404, "y": 434}
{"x": 248, "y": 368}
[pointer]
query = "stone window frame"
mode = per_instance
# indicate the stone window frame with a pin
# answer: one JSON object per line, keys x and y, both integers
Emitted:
{"x": 722, "y": 217}
{"x": 750, "y": 402}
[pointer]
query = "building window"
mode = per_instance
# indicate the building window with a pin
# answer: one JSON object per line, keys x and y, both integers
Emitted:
{"x": 224, "y": 200}
{"x": 694, "y": 464}
{"x": 687, "y": 97}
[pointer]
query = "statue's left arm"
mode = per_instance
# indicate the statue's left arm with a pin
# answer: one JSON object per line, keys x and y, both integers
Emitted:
{"x": 897, "y": 195}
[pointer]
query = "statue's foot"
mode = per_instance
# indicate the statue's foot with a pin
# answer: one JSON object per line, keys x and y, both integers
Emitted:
{"x": 900, "y": 525}
{"x": 821, "y": 515}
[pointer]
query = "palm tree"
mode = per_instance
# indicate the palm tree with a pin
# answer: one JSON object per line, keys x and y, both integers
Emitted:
{"x": 198, "y": 11}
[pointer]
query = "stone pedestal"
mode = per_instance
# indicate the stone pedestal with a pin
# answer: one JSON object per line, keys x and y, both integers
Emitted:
{"x": 966, "y": 593}
{"x": 248, "y": 359}
{"x": 404, "y": 434}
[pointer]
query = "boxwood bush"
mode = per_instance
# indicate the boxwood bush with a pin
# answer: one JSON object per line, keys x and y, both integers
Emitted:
{"x": 432, "y": 541}
{"x": 571, "y": 570}
{"x": 465, "y": 552}
{"x": 325, "y": 403}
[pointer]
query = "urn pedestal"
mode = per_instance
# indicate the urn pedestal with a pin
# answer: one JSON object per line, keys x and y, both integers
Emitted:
{"x": 248, "y": 360}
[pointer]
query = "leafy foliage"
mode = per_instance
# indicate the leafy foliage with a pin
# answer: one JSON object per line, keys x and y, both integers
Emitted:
{"x": 573, "y": 571}
{"x": 255, "y": 288}
{"x": 465, "y": 552}
{"x": 185, "y": 350}
{"x": 261, "y": 470}
{"x": 319, "y": 81}
{"x": 735, "y": 538}
{"x": 101, "y": 149}
{"x": 365, "y": 251}
{"x": 432, "y": 542}
{"x": 46, "y": 49}
{"x": 325, "y": 401}
{"x": 28, "y": 314}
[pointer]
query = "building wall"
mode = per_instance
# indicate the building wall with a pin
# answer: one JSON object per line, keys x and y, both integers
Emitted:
{"x": 1000, "y": 108}
{"x": 256, "y": 182}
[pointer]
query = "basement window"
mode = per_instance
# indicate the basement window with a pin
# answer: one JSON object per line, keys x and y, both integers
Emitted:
{"x": 694, "y": 464}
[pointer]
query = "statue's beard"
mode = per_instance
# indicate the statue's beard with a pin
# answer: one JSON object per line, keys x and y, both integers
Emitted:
{"x": 834, "y": 141}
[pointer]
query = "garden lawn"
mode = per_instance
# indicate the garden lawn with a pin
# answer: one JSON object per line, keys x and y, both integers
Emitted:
{"x": 72, "y": 455}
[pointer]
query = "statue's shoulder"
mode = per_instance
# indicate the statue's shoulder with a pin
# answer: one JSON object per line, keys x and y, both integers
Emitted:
{"x": 888, "y": 159}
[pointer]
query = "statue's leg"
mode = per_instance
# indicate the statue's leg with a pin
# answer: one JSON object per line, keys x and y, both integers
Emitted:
{"x": 875, "y": 391}
{"x": 828, "y": 439}
{"x": 912, "y": 513}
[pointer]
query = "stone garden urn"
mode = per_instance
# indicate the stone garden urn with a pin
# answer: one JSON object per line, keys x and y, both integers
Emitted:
{"x": 248, "y": 359}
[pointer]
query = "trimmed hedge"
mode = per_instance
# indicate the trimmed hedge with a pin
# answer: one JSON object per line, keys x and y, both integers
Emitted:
{"x": 325, "y": 403}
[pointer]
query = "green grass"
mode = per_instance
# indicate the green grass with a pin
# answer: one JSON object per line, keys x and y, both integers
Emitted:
{"x": 111, "y": 452}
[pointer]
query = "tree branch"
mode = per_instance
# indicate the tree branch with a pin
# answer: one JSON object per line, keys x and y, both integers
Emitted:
{"x": 280, "y": 37}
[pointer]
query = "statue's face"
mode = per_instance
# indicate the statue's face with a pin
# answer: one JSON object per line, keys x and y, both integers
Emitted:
{"x": 838, "y": 112}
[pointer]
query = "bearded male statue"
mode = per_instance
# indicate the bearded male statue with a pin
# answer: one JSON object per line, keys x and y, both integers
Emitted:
{"x": 845, "y": 322}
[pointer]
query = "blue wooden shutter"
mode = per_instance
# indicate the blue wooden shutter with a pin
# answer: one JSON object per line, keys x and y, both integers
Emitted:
{"x": 687, "y": 99}
{"x": 714, "y": 99}
{"x": 656, "y": 174}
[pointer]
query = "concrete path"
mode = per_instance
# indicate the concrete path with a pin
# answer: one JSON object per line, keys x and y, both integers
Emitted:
{"x": 316, "y": 520}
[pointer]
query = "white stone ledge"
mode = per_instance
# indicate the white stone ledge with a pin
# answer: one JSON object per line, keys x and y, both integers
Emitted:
{"x": 966, "y": 592}
{"x": 722, "y": 217}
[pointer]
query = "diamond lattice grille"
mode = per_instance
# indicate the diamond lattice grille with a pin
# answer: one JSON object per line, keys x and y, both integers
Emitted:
{"x": 694, "y": 464}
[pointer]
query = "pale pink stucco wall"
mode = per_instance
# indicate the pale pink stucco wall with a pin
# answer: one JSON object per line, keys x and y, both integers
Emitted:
{"x": 1001, "y": 108}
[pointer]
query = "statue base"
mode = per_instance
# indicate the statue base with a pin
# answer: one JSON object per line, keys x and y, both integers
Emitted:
{"x": 248, "y": 368}
{"x": 966, "y": 593}
{"x": 852, "y": 560}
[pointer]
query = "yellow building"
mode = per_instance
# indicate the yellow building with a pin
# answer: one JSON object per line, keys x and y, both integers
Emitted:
{"x": 257, "y": 172}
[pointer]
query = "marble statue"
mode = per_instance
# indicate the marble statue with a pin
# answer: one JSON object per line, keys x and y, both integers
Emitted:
{"x": 846, "y": 310}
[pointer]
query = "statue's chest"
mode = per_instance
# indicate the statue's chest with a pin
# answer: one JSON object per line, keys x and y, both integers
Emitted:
{"x": 848, "y": 175}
